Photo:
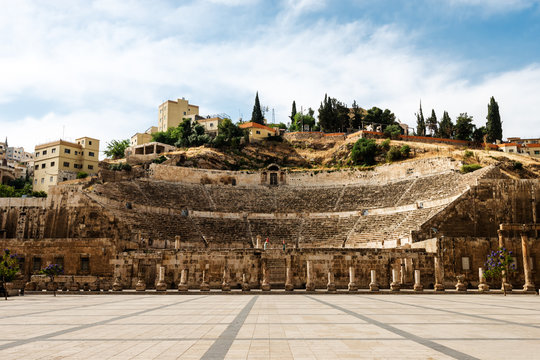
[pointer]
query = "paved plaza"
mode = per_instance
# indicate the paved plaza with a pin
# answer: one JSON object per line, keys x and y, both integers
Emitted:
{"x": 260, "y": 326}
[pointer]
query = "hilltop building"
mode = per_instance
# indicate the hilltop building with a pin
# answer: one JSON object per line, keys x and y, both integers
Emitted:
{"x": 257, "y": 131}
{"x": 143, "y": 138}
{"x": 171, "y": 113}
{"x": 61, "y": 160}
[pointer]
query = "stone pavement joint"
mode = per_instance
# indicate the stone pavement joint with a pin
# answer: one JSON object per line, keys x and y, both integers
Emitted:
{"x": 417, "y": 339}
{"x": 221, "y": 346}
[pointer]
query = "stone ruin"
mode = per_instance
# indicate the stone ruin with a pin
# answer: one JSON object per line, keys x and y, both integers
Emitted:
{"x": 414, "y": 225}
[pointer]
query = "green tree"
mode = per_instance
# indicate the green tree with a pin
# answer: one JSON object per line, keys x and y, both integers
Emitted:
{"x": 464, "y": 127}
{"x": 364, "y": 151}
{"x": 478, "y": 134}
{"x": 494, "y": 123}
{"x": 293, "y": 111}
{"x": 229, "y": 135}
{"x": 420, "y": 122}
{"x": 52, "y": 271}
{"x": 392, "y": 131}
{"x": 446, "y": 127}
{"x": 431, "y": 123}
{"x": 355, "y": 121}
{"x": 9, "y": 266}
{"x": 499, "y": 264}
{"x": 333, "y": 115}
{"x": 257, "y": 116}
{"x": 116, "y": 148}
{"x": 301, "y": 120}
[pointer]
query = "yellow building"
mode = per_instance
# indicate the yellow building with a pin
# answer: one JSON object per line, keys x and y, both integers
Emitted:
{"x": 171, "y": 113}
{"x": 61, "y": 160}
{"x": 257, "y": 131}
{"x": 210, "y": 124}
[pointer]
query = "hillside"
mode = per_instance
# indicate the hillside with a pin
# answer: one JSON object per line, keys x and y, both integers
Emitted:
{"x": 334, "y": 152}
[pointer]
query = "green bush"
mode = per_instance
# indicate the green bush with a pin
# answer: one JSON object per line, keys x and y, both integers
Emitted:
{"x": 405, "y": 151}
{"x": 394, "y": 154}
{"x": 120, "y": 167}
{"x": 470, "y": 168}
{"x": 516, "y": 165}
{"x": 81, "y": 175}
{"x": 160, "y": 159}
{"x": 392, "y": 131}
{"x": 364, "y": 151}
{"x": 385, "y": 145}
{"x": 467, "y": 154}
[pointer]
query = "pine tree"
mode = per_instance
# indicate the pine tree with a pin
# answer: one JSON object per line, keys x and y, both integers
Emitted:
{"x": 494, "y": 124}
{"x": 420, "y": 122}
{"x": 257, "y": 116}
{"x": 293, "y": 111}
{"x": 446, "y": 127}
{"x": 464, "y": 127}
{"x": 432, "y": 123}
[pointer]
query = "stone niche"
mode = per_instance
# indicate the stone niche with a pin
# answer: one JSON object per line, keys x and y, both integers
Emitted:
{"x": 273, "y": 175}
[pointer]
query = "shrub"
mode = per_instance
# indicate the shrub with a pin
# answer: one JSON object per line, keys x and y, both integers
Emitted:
{"x": 385, "y": 145}
{"x": 405, "y": 151}
{"x": 392, "y": 131}
{"x": 467, "y": 154}
{"x": 364, "y": 151}
{"x": 120, "y": 167}
{"x": 160, "y": 159}
{"x": 516, "y": 165}
{"x": 393, "y": 154}
{"x": 81, "y": 175}
{"x": 470, "y": 168}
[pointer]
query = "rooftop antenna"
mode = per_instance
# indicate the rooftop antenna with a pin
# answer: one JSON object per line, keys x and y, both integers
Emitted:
{"x": 273, "y": 116}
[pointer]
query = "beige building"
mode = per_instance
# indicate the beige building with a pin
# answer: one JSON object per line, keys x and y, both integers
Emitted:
{"x": 61, "y": 160}
{"x": 210, "y": 124}
{"x": 521, "y": 141}
{"x": 171, "y": 113}
{"x": 143, "y": 138}
{"x": 532, "y": 150}
{"x": 257, "y": 131}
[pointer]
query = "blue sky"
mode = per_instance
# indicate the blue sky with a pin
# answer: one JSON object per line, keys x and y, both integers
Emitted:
{"x": 101, "y": 68}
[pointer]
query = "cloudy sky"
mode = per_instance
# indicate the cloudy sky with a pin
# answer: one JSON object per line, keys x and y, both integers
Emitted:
{"x": 101, "y": 68}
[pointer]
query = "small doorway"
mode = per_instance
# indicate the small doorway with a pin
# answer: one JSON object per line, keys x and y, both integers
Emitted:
{"x": 273, "y": 179}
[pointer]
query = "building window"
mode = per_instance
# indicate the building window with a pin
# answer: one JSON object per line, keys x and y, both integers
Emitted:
{"x": 44, "y": 152}
{"x": 90, "y": 153}
{"x": 90, "y": 167}
{"x": 510, "y": 150}
{"x": 36, "y": 167}
{"x": 36, "y": 263}
{"x": 537, "y": 152}
{"x": 85, "y": 263}
{"x": 257, "y": 132}
{"x": 35, "y": 181}
{"x": 52, "y": 163}
{"x": 43, "y": 180}
{"x": 67, "y": 151}
{"x": 66, "y": 164}
{"x": 75, "y": 152}
{"x": 43, "y": 166}
{"x": 20, "y": 260}
{"x": 89, "y": 142}
{"x": 53, "y": 150}
{"x": 76, "y": 166}
{"x": 59, "y": 260}
{"x": 51, "y": 179}
{"x": 82, "y": 153}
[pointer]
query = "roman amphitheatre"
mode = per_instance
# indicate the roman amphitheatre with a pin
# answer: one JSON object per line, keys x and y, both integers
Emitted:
{"x": 284, "y": 217}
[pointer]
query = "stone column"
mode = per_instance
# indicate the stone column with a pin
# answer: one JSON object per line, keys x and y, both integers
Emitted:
{"x": 310, "y": 286}
{"x": 141, "y": 285}
{"x": 505, "y": 284}
{"x": 245, "y": 283}
{"x": 395, "y": 285}
{"x": 161, "y": 285}
{"x": 289, "y": 279}
{"x": 258, "y": 243}
{"x": 438, "y": 274}
{"x": 373, "y": 286}
{"x": 417, "y": 281}
{"x": 331, "y": 286}
{"x": 460, "y": 286}
{"x": 352, "y": 283}
{"x": 265, "y": 286}
{"x": 529, "y": 286}
{"x": 204, "y": 285}
{"x": 482, "y": 286}
{"x": 177, "y": 242}
{"x": 225, "y": 286}
{"x": 183, "y": 286}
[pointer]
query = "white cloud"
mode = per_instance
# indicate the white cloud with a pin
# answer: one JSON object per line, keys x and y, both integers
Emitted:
{"x": 106, "y": 77}
{"x": 495, "y": 6}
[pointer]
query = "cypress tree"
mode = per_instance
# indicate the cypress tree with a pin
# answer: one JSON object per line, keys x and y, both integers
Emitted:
{"x": 257, "y": 116}
{"x": 420, "y": 122}
{"x": 432, "y": 123}
{"x": 293, "y": 111}
{"x": 494, "y": 123}
{"x": 446, "y": 127}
